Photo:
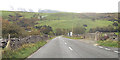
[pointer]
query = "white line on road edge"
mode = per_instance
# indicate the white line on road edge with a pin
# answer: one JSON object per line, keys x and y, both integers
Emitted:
{"x": 116, "y": 52}
{"x": 70, "y": 48}
{"x": 107, "y": 49}
{"x": 100, "y": 46}
{"x": 65, "y": 43}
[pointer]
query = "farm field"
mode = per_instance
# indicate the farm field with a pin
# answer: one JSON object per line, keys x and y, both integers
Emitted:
{"x": 68, "y": 24}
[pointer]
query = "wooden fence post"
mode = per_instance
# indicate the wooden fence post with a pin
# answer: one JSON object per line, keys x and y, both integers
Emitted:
{"x": 8, "y": 43}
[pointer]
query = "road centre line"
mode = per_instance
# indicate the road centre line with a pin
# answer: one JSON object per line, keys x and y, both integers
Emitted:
{"x": 100, "y": 46}
{"x": 107, "y": 49}
{"x": 70, "y": 48}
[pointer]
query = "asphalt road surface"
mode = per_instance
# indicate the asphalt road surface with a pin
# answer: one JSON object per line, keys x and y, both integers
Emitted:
{"x": 61, "y": 47}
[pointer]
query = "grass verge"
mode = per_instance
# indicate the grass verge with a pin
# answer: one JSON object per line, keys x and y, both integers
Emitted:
{"x": 73, "y": 37}
{"x": 23, "y": 52}
{"x": 108, "y": 43}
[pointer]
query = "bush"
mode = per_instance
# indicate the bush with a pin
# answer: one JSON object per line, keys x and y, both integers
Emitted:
{"x": 103, "y": 29}
{"x": 45, "y": 29}
{"x": 12, "y": 29}
{"x": 78, "y": 30}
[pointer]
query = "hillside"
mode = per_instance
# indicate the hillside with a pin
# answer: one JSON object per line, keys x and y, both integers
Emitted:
{"x": 64, "y": 19}
{"x": 63, "y": 15}
{"x": 67, "y": 24}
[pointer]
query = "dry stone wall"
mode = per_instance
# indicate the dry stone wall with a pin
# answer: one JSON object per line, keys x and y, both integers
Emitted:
{"x": 18, "y": 42}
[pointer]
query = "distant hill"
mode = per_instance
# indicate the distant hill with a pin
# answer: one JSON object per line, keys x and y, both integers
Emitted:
{"x": 39, "y": 10}
{"x": 57, "y": 15}
{"x": 47, "y": 11}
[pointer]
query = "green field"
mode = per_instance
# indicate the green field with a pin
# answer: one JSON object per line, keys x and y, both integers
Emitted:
{"x": 66, "y": 20}
{"x": 67, "y": 24}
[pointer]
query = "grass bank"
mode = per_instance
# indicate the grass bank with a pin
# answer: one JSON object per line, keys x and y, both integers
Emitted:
{"x": 108, "y": 43}
{"x": 23, "y": 52}
{"x": 73, "y": 37}
{"x": 67, "y": 24}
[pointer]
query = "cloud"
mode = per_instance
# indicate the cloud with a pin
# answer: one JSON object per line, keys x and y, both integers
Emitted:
{"x": 63, "y": 5}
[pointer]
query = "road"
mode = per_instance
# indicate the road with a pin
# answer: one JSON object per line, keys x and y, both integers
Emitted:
{"x": 61, "y": 47}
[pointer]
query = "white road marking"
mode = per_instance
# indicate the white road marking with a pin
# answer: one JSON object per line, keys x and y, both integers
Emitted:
{"x": 65, "y": 43}
{"x": 70, "y": 48}
{"x": 107, "y": 49}
{"x": 116, "y": 52}
{"x": 100, "y": 46}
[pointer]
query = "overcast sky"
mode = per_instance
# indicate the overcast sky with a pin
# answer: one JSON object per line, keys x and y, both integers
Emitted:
{"x": 62, "y": 5}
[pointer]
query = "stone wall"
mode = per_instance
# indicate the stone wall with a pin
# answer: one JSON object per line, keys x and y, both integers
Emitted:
{"x": 90, "y": 36}
{"x": 18, "y": 42}
{"x": 98, "y": 36}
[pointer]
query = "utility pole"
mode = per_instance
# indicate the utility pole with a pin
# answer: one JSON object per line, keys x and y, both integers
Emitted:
{"x": 72, "y": 27}
{"x": 71, "y": 33}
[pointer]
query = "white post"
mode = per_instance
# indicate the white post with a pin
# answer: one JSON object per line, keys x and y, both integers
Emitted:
{"x": 70, "y": 33}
